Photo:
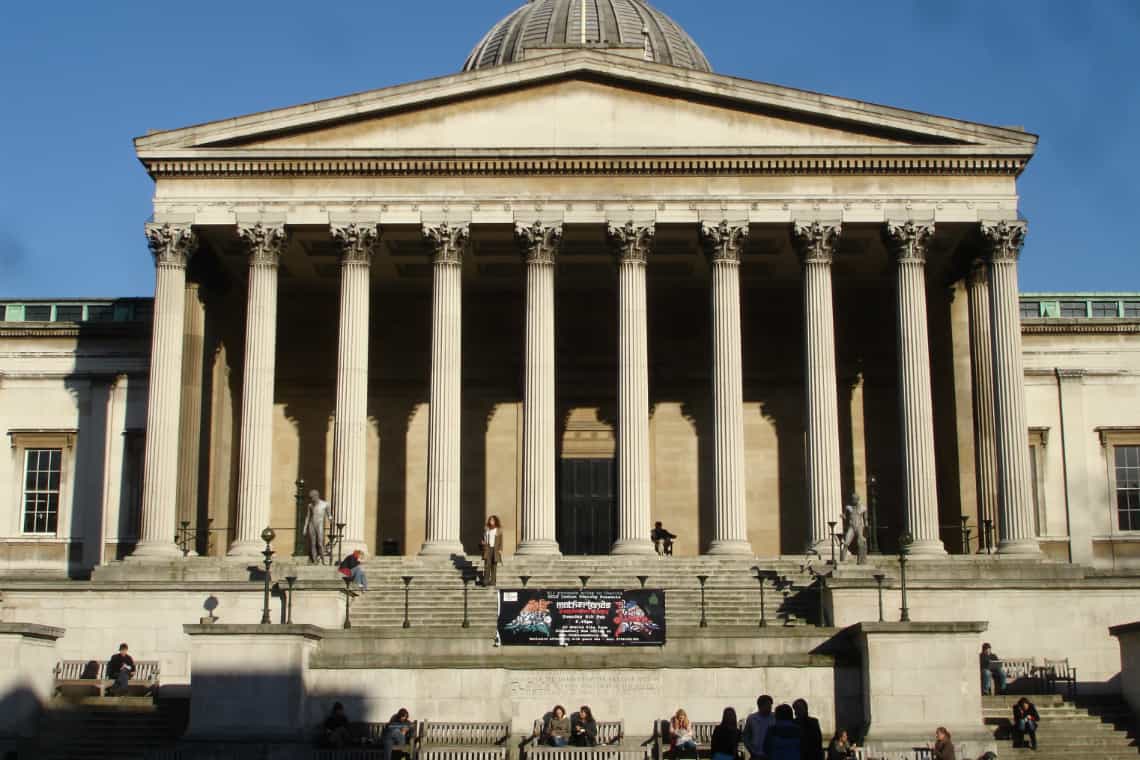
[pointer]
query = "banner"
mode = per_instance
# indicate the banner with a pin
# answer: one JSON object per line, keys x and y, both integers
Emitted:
{"x": 581, "y": 617}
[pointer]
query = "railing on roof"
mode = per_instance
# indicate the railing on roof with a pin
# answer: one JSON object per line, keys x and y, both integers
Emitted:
{"x": 79, "y": 310}
{"x": 1080, "y": 305}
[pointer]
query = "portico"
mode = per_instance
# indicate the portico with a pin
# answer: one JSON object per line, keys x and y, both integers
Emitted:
{"x": 699, "y": 296}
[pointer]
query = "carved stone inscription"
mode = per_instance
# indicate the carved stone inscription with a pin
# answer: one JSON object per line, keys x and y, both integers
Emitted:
{"x": 561, "y": 684}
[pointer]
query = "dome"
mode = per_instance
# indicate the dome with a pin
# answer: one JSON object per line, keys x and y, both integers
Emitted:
{"x": 632, "y": 26}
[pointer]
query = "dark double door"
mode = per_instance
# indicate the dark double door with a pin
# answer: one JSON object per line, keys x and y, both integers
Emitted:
{"x": 587, "y": 506}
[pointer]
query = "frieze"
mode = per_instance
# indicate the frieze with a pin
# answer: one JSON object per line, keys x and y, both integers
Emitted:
{"x": 448, "y": 241}
{"x": 540, "y": 242}
{"x": 908, "y": 240}
{"x": 171, "y": 245}
{"x": 358, "y": 242}
{"x": 1005, "y": 239}
{"x": 631, "y": 242}
{"x": 265, "y": 243}
{"x": 724, "y": 242}
{"x": 815, "y": 241}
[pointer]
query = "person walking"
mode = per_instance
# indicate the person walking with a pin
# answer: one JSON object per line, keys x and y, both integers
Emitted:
{"x": 492, "y": 547}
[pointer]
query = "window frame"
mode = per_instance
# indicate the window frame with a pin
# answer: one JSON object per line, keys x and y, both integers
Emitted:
{"x": 21, "y": 441}
{"x": 1110, "y": 438}
{"x": 1038, "y": 443}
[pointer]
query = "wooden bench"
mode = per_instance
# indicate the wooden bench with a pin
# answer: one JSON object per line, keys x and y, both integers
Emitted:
{"x": 610, "y": 736}
{"x": 702, "y": 733}
{"x": 1054, "y": 671}
{"x": 1021, "y": 674}
{"x": 87, "y": 675}
{"x": 442, "y": 740}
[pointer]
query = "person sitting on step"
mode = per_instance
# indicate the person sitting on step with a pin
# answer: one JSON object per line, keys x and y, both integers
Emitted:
{"x": 992, "y": 671}
{"x": 1025, "y": 720}
{"x": 662, "y": 539}
{"x": 351, "y": 568}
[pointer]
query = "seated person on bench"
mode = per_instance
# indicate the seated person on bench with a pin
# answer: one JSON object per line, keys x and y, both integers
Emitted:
{"x": 398, "y": 734}
{"x": 556, "y": 732}
{"x": 583, "y": 728}
{"x": 662, "y": 539}
{"x": 119, "y": 669}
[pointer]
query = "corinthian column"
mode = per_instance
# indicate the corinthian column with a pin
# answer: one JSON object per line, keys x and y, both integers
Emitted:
{"x": 190, "y": 427}
{"x": 633, "y": 244}
{"x": 908, "y": 242}
{"x": 816, "y": 243}
{"x": 448, "y": 245}
{"x": 724, "y": 244}
{"x": 982, "y": 361}
{"x": 1015, "y": 498}
{"x": 172, "y": 247}
{"x": 255, "y": 457}
{"x": 357, "y": 246}
{"x": 540, "y": 244}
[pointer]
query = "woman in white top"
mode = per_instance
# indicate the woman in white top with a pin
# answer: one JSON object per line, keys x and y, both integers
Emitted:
{"x": 492, "y": 549}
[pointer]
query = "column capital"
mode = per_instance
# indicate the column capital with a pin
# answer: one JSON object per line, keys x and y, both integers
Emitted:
{"x": 631, "y": 241}
{"x": 448, "y": 241}
{"x": 908, "y": 240}
{"x": 358, "y": 242}
{"x": 266, "y": 243}
{"x": 816, "y": 242}
{"x": 171, "y": 245}
{"x": 540, "y": 242}
{"x": 724, "y": 242}
{"x": 1004, "y": 238}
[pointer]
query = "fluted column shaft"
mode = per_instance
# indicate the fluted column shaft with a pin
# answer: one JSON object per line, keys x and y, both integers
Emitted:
{"x": 920, "y": 489}
{"x": 816, "y": 243}
{"x": 540, "y": 244}
{"x": 633, "y": 244}
{"x": 190, "y": 426}
{"x": 255, "y": 455}
{"x": 358, "y": 244}
{"x": 448, "y": 245}
{"x": 1015, "y": 495}
{"x": 172, "y": 247}
{"x": 982, "y": 361}
{"x": 725, "y": 243}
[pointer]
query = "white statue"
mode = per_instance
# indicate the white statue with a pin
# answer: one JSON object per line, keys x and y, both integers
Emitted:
{"x": 314, "y": 530}
{"x": 855, "y": 515}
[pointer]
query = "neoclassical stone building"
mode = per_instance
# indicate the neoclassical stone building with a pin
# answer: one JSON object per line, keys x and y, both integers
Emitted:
{"x": 585, "y": 284}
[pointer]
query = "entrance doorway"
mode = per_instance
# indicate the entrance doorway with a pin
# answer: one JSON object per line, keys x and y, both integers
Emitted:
{"x": 587, "y": 506}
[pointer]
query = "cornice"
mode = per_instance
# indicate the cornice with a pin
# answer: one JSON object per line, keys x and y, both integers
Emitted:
{"x": 1046, "y": 326}
{"x": 775, "y": 164}
{"x": 74, "y": 329}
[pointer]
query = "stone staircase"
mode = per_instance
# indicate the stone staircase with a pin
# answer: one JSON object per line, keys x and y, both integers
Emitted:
{"x": 1097, "y": 727}
{"x": 97, "y": 728}
{"x": 732, "y": 593}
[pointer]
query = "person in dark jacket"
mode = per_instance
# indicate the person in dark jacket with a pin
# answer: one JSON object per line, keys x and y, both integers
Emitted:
{"x": 943, "y": 745}
{"x": 811, "y": 736}
{"x": 336, "y": 727}
{"x": 840, "y": 746}
{"x": 398, "y": 735}
{"x": 583, "y": 728}
{"x": 119, "y": 669}
{"x": 1025, "y": 720}
{"x": 726, "y": 737}
{"x": 784, "y": 739}
{"x": 350, "y": 567}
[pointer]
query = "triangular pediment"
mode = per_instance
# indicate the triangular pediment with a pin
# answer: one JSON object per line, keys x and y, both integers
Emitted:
{"x": 579, "y": 101}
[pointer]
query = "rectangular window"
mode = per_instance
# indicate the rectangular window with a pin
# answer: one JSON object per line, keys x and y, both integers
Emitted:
{"x": 100, "y": 314}
{"x": 37, "y": 312}
{"x": 3, "y": 312}
{"x": 41, "y": 489}
{"x": 1074, "y": 309}
{"x": 1104, "y": 309}
{"x": 69, "y": 313}
{"x": 1030, "y": 309}
{"x": 1128, "y": 486}
{"x": 1132, "y": 308}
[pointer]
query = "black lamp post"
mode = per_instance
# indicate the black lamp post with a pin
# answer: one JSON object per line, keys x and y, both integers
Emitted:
{"x": 525, "y": 579}
{"x": 466, "y": 622}
{"x": 339, "y": 539}
{"x": 831, "y": 535}
{"x": 585, "y": 579}
{"x": 905, "y": 541}
{"x": 763, "y": 612}
{"x": 291, "y": 580}
{"x": 879, "y": 578}
{"x": 407, "y": 582}
{"x": 822, "y": 580}
{"x": 184, "y": 537}
{"x": 702, "y": 579}
{"x": 873, "y": 514}
{"x": 642, "y": 579}
{"x": 989, "y": 535}
{"x": 267, "y": 536}
{"x": 300, "y": 501}
{"x": 965, "y": 534}
{"x": 347, "y": 602}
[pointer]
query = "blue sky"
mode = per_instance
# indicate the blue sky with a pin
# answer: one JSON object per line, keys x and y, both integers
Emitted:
{"x": 80, "y": 79}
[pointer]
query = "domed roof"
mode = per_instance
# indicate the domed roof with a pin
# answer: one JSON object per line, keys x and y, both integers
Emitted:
{"x": 622, "y": 24}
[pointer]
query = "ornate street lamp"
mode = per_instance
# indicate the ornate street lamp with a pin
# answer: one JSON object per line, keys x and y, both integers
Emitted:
{"x": 585, "y": 579}
{"x": 267, "y": 536}
{"x": 466, "y": 621}
{"x": 702, "y": 579}
{"x": 291, "y": 580}
{"x": 760, "y": 576}
{"x": 524, "y": 579}
{"x": 905, "y": 540}
{"x": 879, "y": 578}
{"x": 642, "y": 579}
{"x": 873, "y": 514}
{"x": 407, "y": 582}
{"x": 965, "y": 534}
{"x": 831, "y": 536}
{"x": 347, "y": 603}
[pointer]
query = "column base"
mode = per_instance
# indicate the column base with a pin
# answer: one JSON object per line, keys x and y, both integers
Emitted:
{"x": 927, "y": 547}
{"x": 246, "y": 550}
{"x": 158, "y": 550}
{"x": 733, "y": 548}
{"x": 1021, "y": 546}
{"x": 539, "y": 547}
{"x": 633, "y": 546}
{"x": 442, "y": 549}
